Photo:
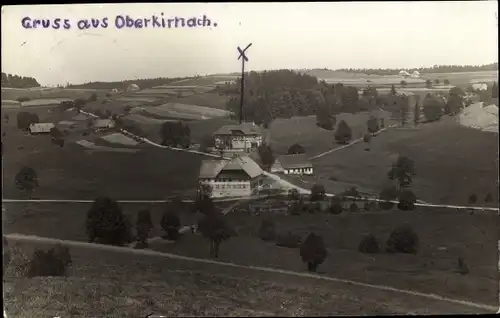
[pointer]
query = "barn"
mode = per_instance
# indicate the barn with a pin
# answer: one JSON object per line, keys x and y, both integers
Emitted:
{"x": 293, "y": 164}
{"x": 133, "y": 87}
{"x": 41, "y": 128}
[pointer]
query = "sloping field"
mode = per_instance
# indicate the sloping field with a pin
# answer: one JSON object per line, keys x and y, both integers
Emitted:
{"x": 195, "y": 109}
{"x": 118, "y": 138}
{"x": 97, "y": 288}
{"x": 315, "y": 140}
{"x": 212, "y": 100}
{"x": 375, "y": 80}
{"x": 170, "y": 114}
{"x": 43, "y": 102}
{"x": 143, "y": 120}
{"x": 92, "y": 146}
{"x": 452, "y": 162}
{"x": 155, "y": 91}
{"x": 48, "y": 93}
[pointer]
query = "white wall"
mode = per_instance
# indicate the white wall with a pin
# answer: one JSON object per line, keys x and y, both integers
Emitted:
{"x": 230, "y": 188}
{"x": 307, "y": 171}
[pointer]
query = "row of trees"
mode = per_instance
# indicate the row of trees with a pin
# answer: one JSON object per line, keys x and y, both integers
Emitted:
{"x": 123, "y": 85}
{"x": 433, "y": 69}
{"x": 16, "y": 81}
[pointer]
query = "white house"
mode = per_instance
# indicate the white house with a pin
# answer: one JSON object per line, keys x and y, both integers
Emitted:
{"x": 238, "y": 177}
{"x": 41, "y": 128}
{"x": 479, "y": 86}
{"x": 244, "y": 137}
{"x": 293, "y": 164}
{"x": 403, "y": 73}
{"x": 415, "y": 74}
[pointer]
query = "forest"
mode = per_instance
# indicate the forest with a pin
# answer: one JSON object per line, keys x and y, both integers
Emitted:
{"x": 16, "y": 81}
{"x": 286, "y": 93}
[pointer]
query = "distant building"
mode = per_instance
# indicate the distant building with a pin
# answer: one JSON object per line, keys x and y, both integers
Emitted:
{"x": 104, "y": 124}
{"x": 293, "y": 164}
{"x": 415, "y": 74}
{"x": 41, "y": 128}
{"x": 133, "y": 87}
{"x": 403, "y": 73}
{"x": 479, "y": 86}
{"x": 244, "y": 137}
{"x": 116, "y": 90}
{"x": 238, "y": 177}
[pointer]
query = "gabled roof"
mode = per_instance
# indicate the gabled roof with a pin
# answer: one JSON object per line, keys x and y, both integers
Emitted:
{"x": 295, "y": 161}
{"x": 211, "y": 168}
{"x": 245, "y": 128}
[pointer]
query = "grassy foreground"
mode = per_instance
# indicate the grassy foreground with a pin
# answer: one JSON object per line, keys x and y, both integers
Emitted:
{"x": 112, "y": 284}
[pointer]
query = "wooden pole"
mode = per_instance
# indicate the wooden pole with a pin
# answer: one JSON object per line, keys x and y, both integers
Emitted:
{"x": 242, "y": 88}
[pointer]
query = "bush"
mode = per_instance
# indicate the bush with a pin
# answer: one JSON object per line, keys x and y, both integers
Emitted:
{"x": 170, "y": 223}
{"x": 367, "y": 206}
{"x": 343, "y": 134}
{"x": 402, "y": 240}
{"x": 353, "y": 207}
{"x": 446, "y": 82}
{"x": 462, "y": 267}
{"x": 288, "y": 240}
{"x": 369, "y": 245}
{"x": 93, "y": 97}
{"x": 488, "y": 198}
{"x": 336, "y": 207}
{"x": 52, "y": 262}
{"x": 313, "y": 251}
{"x": 107, "y": 223}
{"x": 267, "y": 231}
{"x": 296, "y": 149}
{"x": 216, "y": 229}
{"x": 296, "y": 208}
{"x": 388, "y": 194}
{"x": 367, "y": 137}
{"x": 472, "y": 199}
{"x": 143, "y": 226}
{"x": 318, "y": 192}
{"x": 293, "y": 194}
{"x": 25, "y": 119}
{"x": 407, "y": 200}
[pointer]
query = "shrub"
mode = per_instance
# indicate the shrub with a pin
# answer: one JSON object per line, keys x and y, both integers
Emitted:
{"x": 143, "y": 226}
{"x": 353, "y": 207}
{"x": 318, "y": 192}
{"x": 25, "y": 119}
{"x": 351, "y": 192}
{"x": 388, "y": 194}
{"x": 215, "y": 228}
{"x": 93, "y": 97}
{"x": 107, "y": 223}
{"x": 446, "y": 82}
{"x": 488, "y": 198}
{"x": 367, "y": 206}
{"x": 293, "y": 194}
{"x": 267, "y": 231}
{"x": 52, "y": 262}
{"x": 336, "y": 207}
{"x": 367, "y": 137}
{"x": 343, "y": 134}
{"x": 313, "y": 251}
{"x": 402, "y": 240}
{"x": 369, "y": 244}
{"x": 462, "y": 267}
{"x": 407, "y": 200}
{"x": 170, "y": 223}
{"x": 288, "y": 240}
{"x": 296, "y": 149}
{"x": 296, "y": 208}
{"x": 472, "y": 199}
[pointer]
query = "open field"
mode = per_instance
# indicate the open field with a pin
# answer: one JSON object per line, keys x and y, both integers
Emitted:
{"x": 303, "y": 130}
{"x": 97, "y": 288}
{"x": 444, "y": 236}
{"x": 49, "y": 93}
{"x": 452, "y": 162}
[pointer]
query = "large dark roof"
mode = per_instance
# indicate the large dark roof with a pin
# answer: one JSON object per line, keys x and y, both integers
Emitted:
{"x": 295, "y": 161}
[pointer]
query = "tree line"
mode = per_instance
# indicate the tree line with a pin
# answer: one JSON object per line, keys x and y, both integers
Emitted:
{"x": 16, "y": 81}
{"x": 286, "y": 93}
{"x": 433, "y": 69}
{"x": 142, "y": 83}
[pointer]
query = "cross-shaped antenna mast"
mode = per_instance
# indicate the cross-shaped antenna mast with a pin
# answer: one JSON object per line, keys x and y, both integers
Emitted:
{"x": 244, "y": 59}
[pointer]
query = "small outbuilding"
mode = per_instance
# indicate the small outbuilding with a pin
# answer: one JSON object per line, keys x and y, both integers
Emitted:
{"x": 133, "y": 87}
{"x": 41, "y": 128}
{"x": 293, "y": 164}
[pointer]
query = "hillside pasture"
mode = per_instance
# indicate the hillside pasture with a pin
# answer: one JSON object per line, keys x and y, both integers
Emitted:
{"x": 49, "y": 93}
{"x": 104, "y": 283}
{"x": 285, "y": 132}
{"x": 212, "y": 100}
{"x": 452, "y": 162}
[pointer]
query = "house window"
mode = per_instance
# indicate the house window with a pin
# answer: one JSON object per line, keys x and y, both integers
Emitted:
{"x": 222, "y": 186}
{"x": 217, "y": 186}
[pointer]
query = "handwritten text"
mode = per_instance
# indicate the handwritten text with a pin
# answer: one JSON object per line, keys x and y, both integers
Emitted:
{"x": 119, "y": 22}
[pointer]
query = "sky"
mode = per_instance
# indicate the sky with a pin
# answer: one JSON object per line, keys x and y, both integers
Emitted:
{"x": 283, "y": 35}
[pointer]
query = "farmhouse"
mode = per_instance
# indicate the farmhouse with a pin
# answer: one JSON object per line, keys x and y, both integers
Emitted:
{"x": 244, "y": 137}
{"x": 415, "y": 74}
{"x": 404, "y": 73}
{"x": 293, "y": 164}
{"x": 104, "y": 124}
{"x": 238, "y": 177}
{"x": 41, "y": 128}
